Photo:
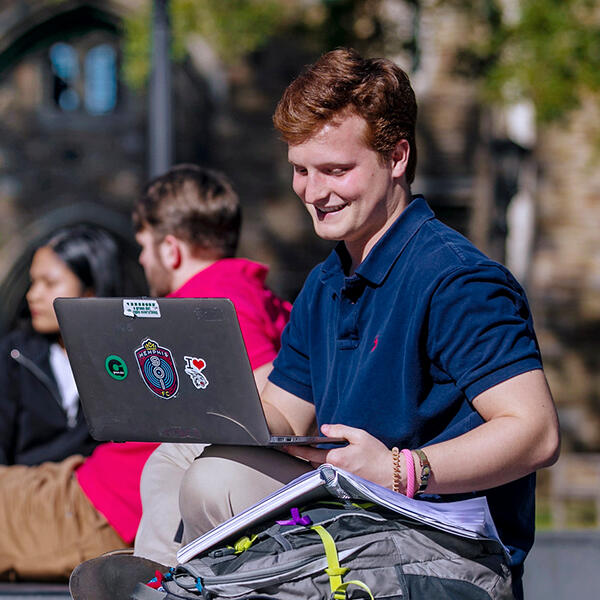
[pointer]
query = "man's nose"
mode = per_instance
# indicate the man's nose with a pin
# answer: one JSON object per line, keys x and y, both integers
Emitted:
{"x": 316, "y": 188}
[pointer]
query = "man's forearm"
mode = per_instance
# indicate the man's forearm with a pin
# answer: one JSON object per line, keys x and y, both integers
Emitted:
{"x": 493, "y": 454}
{"x": 287, "y": 414}
{"x": 278, "y": 424}
{"x": 520, "y": 435}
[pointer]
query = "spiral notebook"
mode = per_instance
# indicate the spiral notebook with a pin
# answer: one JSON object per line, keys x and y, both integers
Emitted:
{"x": 469, "y": 518}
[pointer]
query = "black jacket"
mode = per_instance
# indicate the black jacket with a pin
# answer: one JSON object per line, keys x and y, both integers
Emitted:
{"x": 33, "y": 424}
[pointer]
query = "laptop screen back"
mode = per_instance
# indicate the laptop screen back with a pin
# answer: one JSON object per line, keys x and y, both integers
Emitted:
{"x": 162, "y": 370}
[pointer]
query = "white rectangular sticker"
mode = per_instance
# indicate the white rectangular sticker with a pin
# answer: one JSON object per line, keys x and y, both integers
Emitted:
{"x": 138, "y": 307}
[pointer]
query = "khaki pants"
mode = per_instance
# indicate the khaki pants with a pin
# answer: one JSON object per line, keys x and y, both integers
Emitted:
{"x": 225, "y": 480}
{"x": 159, "y": 490}
{"x": 47, "y": 524}
{"x": 203, "y": 490}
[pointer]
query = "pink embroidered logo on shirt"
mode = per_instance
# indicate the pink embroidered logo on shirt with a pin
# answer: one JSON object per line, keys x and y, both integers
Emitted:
{"x": 375, "y": 343}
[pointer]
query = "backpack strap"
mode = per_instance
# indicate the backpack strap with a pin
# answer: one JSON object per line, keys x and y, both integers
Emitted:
{"x": 340, "y": 592}
{"x": 244, "y": 543}
{"x": 334, "y": 570}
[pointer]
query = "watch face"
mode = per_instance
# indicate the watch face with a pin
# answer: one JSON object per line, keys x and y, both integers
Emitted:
{"x": 425, "y": 470}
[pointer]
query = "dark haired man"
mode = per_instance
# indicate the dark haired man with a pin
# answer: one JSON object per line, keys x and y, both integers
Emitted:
{"x": 188, "y": 223}
{"x": 189, "y": 212}
{"x": 407, "y": 341}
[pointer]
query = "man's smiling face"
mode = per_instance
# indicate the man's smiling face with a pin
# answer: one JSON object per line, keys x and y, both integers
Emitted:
{"x": 345, "y": 185}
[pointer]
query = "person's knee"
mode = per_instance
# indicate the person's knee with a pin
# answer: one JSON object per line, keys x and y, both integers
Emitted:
{"x": 227, "y": 480}
{"x": 165, "y": 468}
{"x": 204, "y": 495}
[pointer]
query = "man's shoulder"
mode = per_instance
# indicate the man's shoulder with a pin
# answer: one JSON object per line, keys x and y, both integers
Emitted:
{"x": 223, "y": 277}
{"x": 243, "y": 282}
{"x": 441, "y": 250}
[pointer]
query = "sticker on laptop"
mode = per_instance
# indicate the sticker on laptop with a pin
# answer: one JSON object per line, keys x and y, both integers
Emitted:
{"x": 194, "y": 367}
{"x": 141, "y": 307}
{"x": 115, "y": 366}
{"x": 157, "y": 369}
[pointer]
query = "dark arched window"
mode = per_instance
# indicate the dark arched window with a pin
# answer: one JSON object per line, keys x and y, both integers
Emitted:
{"x": 65, "y": 70}
{"x": 100, "y": 73}
{"x": 92, "y": 88}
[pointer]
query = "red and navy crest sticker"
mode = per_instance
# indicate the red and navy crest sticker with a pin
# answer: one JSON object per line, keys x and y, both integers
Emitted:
{"x": 157, "y": 369}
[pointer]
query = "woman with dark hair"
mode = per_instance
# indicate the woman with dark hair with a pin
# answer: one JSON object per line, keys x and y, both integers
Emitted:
{"x": 40, "y": 416}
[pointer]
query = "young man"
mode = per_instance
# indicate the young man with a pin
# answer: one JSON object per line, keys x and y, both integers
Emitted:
{"x": 188, "y": 224}
{"x": 406, "y": 338}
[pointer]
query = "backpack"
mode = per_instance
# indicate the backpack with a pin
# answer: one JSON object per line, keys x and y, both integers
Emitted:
{"x": 341, "y": 551}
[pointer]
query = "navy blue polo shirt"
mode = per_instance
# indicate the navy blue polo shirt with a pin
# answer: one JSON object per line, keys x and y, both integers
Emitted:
{"x": 401, "y": 348}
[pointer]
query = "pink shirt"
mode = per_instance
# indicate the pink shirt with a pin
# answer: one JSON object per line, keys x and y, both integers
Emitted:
{"x": 110, "y": 477}
{"x": 261, "y": 314}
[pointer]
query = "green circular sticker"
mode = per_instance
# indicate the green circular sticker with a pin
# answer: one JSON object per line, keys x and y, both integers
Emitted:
{"x": 116, "y": 367}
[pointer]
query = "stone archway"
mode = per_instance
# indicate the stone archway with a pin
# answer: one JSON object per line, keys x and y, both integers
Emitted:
{"x": 26, "y": 25}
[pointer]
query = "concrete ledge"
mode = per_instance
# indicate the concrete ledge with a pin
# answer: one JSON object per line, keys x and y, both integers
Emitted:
{"x": 563, "y": 565}
{"x": 34, "y": 591}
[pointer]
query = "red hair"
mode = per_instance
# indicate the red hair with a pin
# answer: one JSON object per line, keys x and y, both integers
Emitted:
{"x": 342, "y": 81}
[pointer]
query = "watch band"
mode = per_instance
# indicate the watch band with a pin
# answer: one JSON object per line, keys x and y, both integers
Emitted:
{"x": 425, "y": 470}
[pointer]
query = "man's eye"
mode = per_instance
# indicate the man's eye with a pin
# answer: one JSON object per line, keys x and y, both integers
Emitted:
{"x": 299, "y": 170}
{"x": 337, "y": 171}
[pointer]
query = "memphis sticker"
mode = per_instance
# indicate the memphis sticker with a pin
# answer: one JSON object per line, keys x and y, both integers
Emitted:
{"x": 157, "y": 369}
{"x": 194, "y": 367}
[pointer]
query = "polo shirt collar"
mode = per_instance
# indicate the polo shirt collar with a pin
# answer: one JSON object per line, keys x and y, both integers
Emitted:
{"x": 385, "y": 253}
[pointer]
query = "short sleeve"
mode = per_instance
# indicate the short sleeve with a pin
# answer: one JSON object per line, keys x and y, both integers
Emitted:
{"x": 480, "y": 328}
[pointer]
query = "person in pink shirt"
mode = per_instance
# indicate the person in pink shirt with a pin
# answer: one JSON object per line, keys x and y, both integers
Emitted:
{"x": 187, "y": 222}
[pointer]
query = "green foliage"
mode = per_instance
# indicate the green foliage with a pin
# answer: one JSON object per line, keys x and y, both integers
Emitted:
{"x": 550, "y": 53}
{"x": 232, "y": 27}
{"x": 361, "y": 24}
{"x": 136, "y": 48}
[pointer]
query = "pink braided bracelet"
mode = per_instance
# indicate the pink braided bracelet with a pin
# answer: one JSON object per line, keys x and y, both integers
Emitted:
{"x": 410, "y": 473}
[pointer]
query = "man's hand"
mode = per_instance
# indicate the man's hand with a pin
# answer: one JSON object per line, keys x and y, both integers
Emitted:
{"x": 364, "y": 455}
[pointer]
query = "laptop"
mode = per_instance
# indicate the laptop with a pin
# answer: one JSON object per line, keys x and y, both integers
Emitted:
{"x": 165, "y": 370}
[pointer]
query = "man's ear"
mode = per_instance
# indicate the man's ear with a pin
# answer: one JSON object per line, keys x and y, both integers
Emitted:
{"x": 170, "y": 252}
{"x": 399, "y": 158}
